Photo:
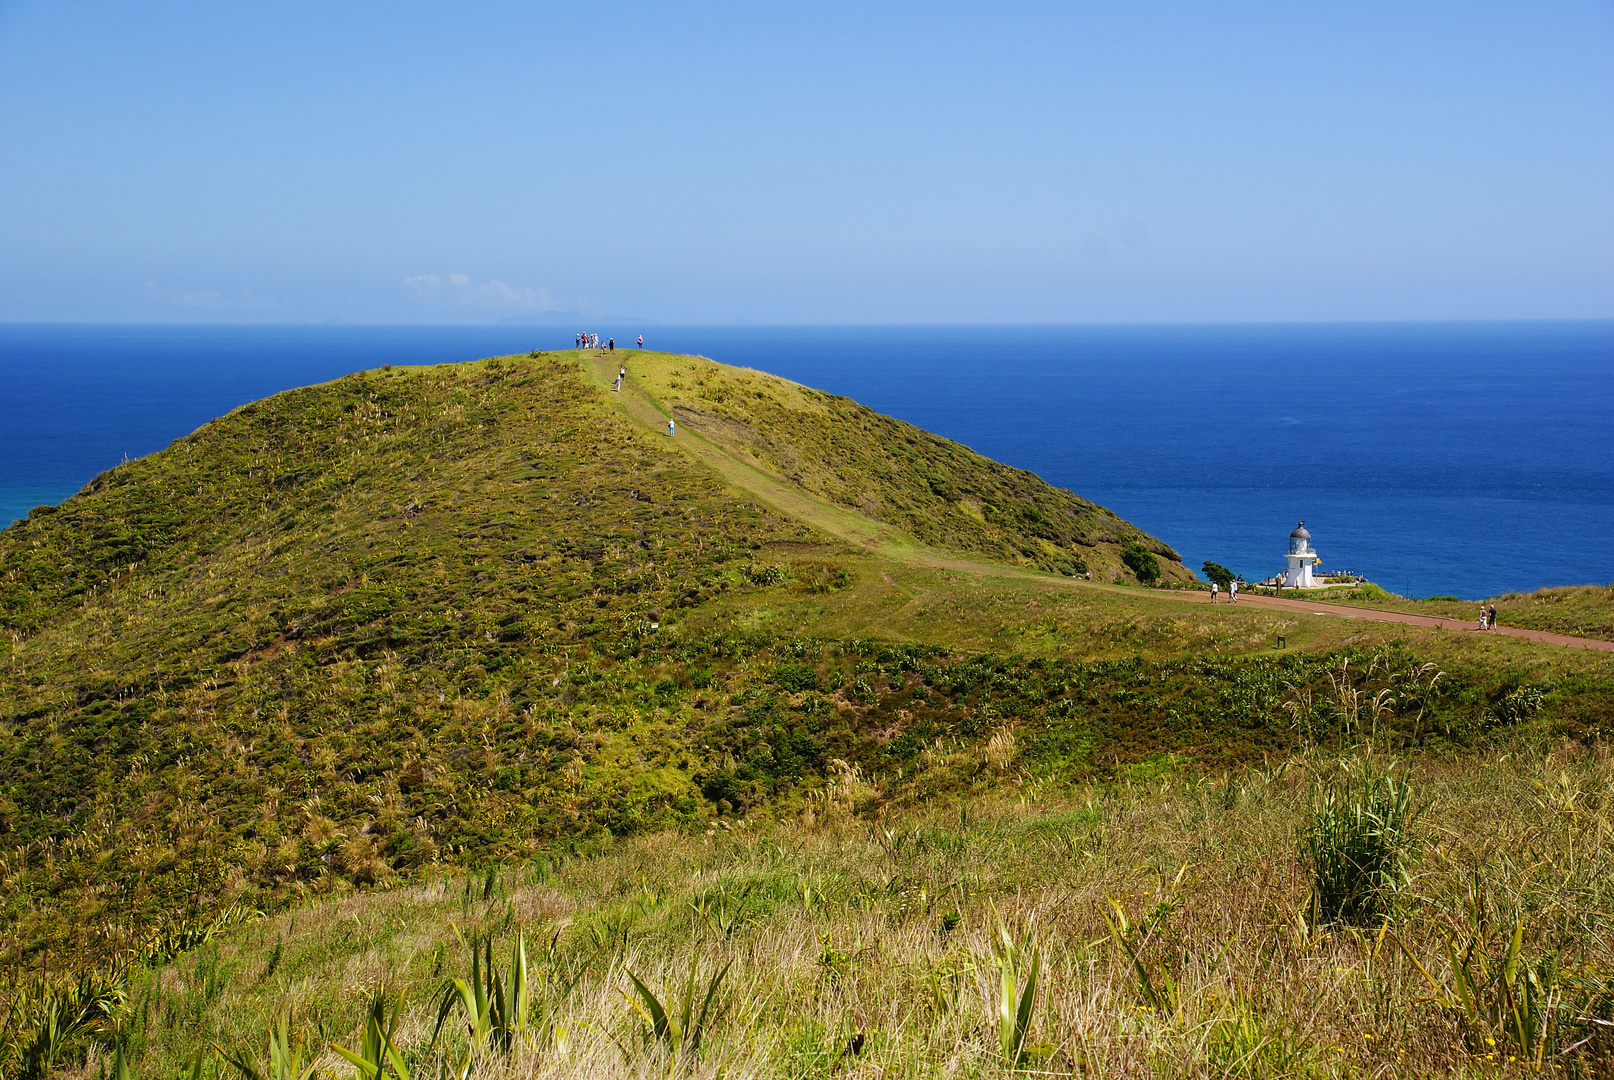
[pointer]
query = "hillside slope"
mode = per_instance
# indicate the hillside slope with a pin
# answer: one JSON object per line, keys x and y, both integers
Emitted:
{"x": 294, "y": 641}
{"x": 925, "y": 487}
{"x": 476, "y": 612}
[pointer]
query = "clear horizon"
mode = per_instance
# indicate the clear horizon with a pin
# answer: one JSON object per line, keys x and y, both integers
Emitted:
{"x": 841, "y": 165}
{"x": 592, "y": 323}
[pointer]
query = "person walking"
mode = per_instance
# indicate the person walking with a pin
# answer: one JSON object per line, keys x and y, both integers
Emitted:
{"x": 1492, "y": 617}
{"x": 612, "y": 345}
{"x": 1233, "y": 592}
{"x": 669, "y": 427}
{"x": 641, "y": 341}
{"x": 1214, "y": 587}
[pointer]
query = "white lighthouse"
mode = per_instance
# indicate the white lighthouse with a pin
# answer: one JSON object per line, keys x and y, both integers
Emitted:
{"x": 1301, "y": 558}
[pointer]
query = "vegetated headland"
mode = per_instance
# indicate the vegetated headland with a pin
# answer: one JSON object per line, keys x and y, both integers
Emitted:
{"x": 797, "y": 742}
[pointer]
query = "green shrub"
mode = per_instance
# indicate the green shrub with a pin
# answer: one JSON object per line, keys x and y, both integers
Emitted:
{"x": 1218, "y": 573}
{"x": 819, "y": 577}
{"x": 1355, "y": 846}
{"x": 764, "y": 574}
{"x": 795, "y": 677}
{"x": 1141, "y": 561}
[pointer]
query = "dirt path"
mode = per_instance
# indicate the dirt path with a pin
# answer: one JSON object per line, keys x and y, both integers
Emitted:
{"x": 875, "y": 538}
{"x": 645, "y": 410}
{"x": 1432, "y": 622}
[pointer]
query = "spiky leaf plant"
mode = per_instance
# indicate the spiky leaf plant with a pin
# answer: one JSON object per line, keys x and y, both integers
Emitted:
{"x": 377, "y": 1052}
{"x": 283, "y": 1061}
{"x": 1355, "y": 846}
{"x": 676, "y": 1025}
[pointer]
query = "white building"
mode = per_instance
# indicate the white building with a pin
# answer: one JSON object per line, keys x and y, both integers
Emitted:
{"x": 1301, "y": 558}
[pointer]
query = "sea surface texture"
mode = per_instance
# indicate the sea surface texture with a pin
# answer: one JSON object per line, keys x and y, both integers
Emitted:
{"x": 1467, "y": 459}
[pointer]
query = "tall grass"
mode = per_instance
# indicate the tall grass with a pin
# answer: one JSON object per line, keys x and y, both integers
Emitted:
{"x": 1163, "y": 928}
{"x": 1355, "y": 846}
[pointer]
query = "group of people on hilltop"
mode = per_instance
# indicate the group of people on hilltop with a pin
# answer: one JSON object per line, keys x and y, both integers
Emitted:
{"x": 592, "y": 341}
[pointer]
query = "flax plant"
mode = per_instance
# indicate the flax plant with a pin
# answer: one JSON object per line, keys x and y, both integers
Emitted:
{"x": 377, "y": 1052}
{"x": 283, "y": 1060}
{"x": 1355, "y": 845}
{"x": 676, "y": 1024}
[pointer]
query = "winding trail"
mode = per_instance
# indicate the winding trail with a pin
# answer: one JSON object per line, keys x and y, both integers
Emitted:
{"x": 644, "y": 409}
{"x": 1432, "y": 622}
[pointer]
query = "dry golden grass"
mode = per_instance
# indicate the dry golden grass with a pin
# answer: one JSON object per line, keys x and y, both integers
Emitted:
{"x": 887, "y": 936}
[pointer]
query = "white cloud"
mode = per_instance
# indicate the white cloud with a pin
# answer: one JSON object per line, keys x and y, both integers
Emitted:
{"x": 182, "y": 297}
{"x": 460, "y": 289}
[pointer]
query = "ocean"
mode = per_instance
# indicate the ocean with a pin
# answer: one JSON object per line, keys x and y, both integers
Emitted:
{"x": 1468, "y": 459}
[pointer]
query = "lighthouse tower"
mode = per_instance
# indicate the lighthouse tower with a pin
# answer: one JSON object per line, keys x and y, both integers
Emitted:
{"x": 1301, "y": 557}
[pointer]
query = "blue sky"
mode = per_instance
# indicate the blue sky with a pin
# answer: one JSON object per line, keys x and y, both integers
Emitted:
{"x": 862, "y": 162}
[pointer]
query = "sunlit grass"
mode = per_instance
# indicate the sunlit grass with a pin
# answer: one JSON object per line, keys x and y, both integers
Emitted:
{"x": 1157, "y": 928}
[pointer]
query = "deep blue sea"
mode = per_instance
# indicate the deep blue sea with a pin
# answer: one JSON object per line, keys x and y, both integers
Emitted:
{"x": 1470, "y": 459}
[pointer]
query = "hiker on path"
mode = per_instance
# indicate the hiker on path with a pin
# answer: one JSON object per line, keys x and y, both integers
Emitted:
{"x": 1214, "y": 587}
{"x": 1482, "y": 617}
{"x": 612, "y": 345}
{"x": 1232, "y": 592}
{"x": 669, "y": 427}
{"x": 622, "y": 373}
{"x": 641, "y": 341}
{"x": 1492, "y": 618}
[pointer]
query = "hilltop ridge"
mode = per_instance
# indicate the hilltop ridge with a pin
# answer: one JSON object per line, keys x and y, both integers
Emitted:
{"x": 915, "y": 487}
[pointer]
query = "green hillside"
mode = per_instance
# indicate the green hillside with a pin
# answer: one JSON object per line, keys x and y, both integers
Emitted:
{"x": 926, "y": 487}
{"x": 417, "y": 617}
{"x": 801, "y": 694}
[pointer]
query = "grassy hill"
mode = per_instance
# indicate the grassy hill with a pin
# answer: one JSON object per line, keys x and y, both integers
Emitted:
{"x": 929, "y": 489}
{"x": 356, "y": 635}
{"x": 396, "y": 586}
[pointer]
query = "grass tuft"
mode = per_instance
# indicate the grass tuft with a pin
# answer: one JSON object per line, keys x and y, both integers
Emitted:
{"x": 1355, "y": 846}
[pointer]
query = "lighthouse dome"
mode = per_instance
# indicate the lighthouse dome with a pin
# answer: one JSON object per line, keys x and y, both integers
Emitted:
{"x": 1300, "y": 541}
{"x": 1300, "y": 533}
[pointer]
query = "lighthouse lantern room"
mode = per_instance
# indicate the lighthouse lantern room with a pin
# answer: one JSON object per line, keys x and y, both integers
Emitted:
{"x": 1301, "y": 558}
